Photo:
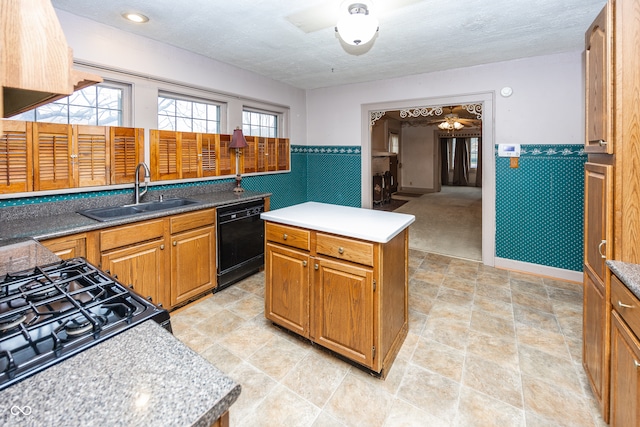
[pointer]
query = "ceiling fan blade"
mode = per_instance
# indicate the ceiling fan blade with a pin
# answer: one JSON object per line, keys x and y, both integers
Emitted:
{"x": 326, "y": 14}
{"x": 315, "y": 18}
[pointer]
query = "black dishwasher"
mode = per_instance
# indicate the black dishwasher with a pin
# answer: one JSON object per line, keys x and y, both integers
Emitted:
{"x": 240, "y": 242}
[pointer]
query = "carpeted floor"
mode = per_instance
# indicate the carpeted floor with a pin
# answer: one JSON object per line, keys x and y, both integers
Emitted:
{"x": 448, "y": 222}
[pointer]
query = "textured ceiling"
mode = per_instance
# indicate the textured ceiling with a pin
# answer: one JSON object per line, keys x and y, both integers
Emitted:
{"x": 294, "y": 41}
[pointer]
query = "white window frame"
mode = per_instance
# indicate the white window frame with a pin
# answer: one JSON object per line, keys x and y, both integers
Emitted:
{"x": 190, "y": 98}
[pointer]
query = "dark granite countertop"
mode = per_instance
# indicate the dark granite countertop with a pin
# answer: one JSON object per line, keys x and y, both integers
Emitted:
{"x": 629, "y": 274}
{"x": 42, "y": 226}
{"x": 141, "y": 377}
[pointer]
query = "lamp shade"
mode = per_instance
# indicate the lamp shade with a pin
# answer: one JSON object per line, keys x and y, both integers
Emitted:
{"x": 358, "y": 26}
{"x": 237, "y": 140}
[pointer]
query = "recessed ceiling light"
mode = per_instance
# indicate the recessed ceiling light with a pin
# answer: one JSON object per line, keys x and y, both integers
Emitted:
{"x": 135, "y": 17}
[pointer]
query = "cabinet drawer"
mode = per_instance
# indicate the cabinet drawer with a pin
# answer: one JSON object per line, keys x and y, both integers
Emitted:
{"x": 129, "y": 234}
{"x": 625, "y": 303}
{"x": 289, "y": 236}
{"x": 346, "y": 249}
{"x": 192, "y": 220}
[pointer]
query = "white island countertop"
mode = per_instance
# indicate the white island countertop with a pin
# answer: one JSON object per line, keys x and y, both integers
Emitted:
{"x": 359, "y": 223}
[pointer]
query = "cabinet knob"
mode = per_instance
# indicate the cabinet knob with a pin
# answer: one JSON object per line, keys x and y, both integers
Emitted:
{"x": 600, "y": 249}
{"x": 284, "y": 236}
{"x": 621, "y": 304}
{"x": 304, "y": 263}
{"x": 315, "y": 266}
{"x": 635, "y": 362}
{"x": 175, "y": 243}
{"x": 602, "y": 143}
{"x": 161, "y": 247}
{"x": 340, "y": 250}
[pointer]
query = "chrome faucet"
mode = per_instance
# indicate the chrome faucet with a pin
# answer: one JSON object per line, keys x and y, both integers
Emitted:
{"x": 147, "y": 174}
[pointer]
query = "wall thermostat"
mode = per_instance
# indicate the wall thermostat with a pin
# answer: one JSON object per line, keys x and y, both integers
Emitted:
{"x": 508, "y": 150}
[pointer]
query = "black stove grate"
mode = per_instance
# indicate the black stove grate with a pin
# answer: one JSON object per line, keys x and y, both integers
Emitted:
{"x": 52, "y": 312}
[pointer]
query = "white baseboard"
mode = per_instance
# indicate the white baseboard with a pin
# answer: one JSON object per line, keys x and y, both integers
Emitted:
{"x": 540, "y": 270}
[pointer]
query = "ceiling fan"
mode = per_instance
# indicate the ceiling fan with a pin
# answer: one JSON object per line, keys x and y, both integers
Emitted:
{"x": 325, "y": 14}
{"x": 452, "y": 121}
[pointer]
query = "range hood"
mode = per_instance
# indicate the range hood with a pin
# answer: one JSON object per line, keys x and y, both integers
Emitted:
{"x": 36, "y": 64}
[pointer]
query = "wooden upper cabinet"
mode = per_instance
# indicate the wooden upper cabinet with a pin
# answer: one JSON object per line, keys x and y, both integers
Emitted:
{"x": 92, "y": 151}
{"x": 52, "y": 150}
{"x": 225, "y": 164}
{"x": 127, "y": 150}
{"x": 283, "y": 153}
{"x": 16, "y": 166}
{"x": 599, "y": 88}
{"x": 250, "y": 155}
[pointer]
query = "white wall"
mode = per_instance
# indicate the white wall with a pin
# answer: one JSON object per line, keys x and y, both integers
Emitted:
{"x": 547, "y": 105}
{"x": 106, "y": 46}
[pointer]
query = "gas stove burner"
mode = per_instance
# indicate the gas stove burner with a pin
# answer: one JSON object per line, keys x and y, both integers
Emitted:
{"x": 40, "y": 291}
{"x": 82, "y": 325}
{"x": 12, "y": 322}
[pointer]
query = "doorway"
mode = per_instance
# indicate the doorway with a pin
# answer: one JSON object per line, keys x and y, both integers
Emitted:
{"x": 372, "y": 112}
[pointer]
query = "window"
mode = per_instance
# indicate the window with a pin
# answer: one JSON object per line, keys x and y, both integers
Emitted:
{"x": 189, "y": 115}
{"x": 100, "y": 105}
{"x": 473, "y": 153}
{"x": 257, "y": 123}
{"x": 394, "y": 142}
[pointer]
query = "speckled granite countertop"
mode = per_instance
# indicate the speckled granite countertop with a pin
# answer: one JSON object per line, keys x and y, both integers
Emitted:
{"x": 629, "y": 274}
{"x": 66, "y": 223}
{"x": 141, "y": 377}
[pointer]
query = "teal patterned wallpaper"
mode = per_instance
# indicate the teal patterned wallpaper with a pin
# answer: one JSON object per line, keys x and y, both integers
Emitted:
{"x": 333, "y": 175}
{"x": 539, "y": 206}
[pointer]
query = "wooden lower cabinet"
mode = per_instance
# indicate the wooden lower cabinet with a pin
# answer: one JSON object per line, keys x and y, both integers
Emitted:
{"x": 68, "y": 247}
{"x": 595, "y": 341}
{"x": 192, "y": 267}
{"x": 625, "y": 356}
{"x": 625, "y": 375}
{"x": 140, "y": 265}
{"x": 342, "y": 309}
{"x": 287, "y": 295}
{"x": 348, "y": 295}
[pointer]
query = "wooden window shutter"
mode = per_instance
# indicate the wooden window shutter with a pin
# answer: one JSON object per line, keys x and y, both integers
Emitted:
{"x": 52, "y": 150}
{"x": 224, "y": 155}
{"x": 127, "y": 150}
{"x": 92, "y": 147}
{"x": 209, "y": 154}
{"x": 188, "y": 158}
{"x": 164, "y": 154}
{"x": 16, "y": 171}
{"x": 249, "y": 155}
{"x": 272, "y": 154}
{"x": 262, "y": 155}
{"x": 283, "y": 153}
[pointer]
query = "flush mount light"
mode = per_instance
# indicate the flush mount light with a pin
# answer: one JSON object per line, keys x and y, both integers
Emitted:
{"x": 135, "y": 17}
{"x": 357, "y": 26}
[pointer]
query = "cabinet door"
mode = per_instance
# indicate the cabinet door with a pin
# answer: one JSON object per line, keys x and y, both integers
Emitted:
{"x": 595, "y": 340}
{"x": 598, "y": 242}
{"x": 286, "y": 299}
{"x": 625, "y": 375}
{"x": 193, "y": 269}
{"x": 164, "y": 154}
{"x": 599, "y": 90}
{"x": 141, "y": 266}
{"x": 342, "y": 309}
{"x": 127, "y": 150}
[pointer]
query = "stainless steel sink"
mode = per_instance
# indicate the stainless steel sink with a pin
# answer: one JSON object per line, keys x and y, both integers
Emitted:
{"x": 112, "y": 213}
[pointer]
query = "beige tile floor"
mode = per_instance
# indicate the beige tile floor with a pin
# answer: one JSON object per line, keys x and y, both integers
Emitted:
{"x": 486, "y": 347}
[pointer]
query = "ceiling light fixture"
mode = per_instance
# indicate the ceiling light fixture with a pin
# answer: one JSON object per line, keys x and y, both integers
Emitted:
{"x": 357, "y": 26}
{"x": 135, "y": 17}
{"x": 450, "y": 124}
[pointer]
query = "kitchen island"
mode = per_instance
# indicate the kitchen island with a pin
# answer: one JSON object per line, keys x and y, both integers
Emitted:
{"x": 141, "y": 376}
{"x": 338, "y": 276}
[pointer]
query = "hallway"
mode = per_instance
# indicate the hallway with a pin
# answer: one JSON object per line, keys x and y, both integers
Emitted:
{"x": 447, "y": 223}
